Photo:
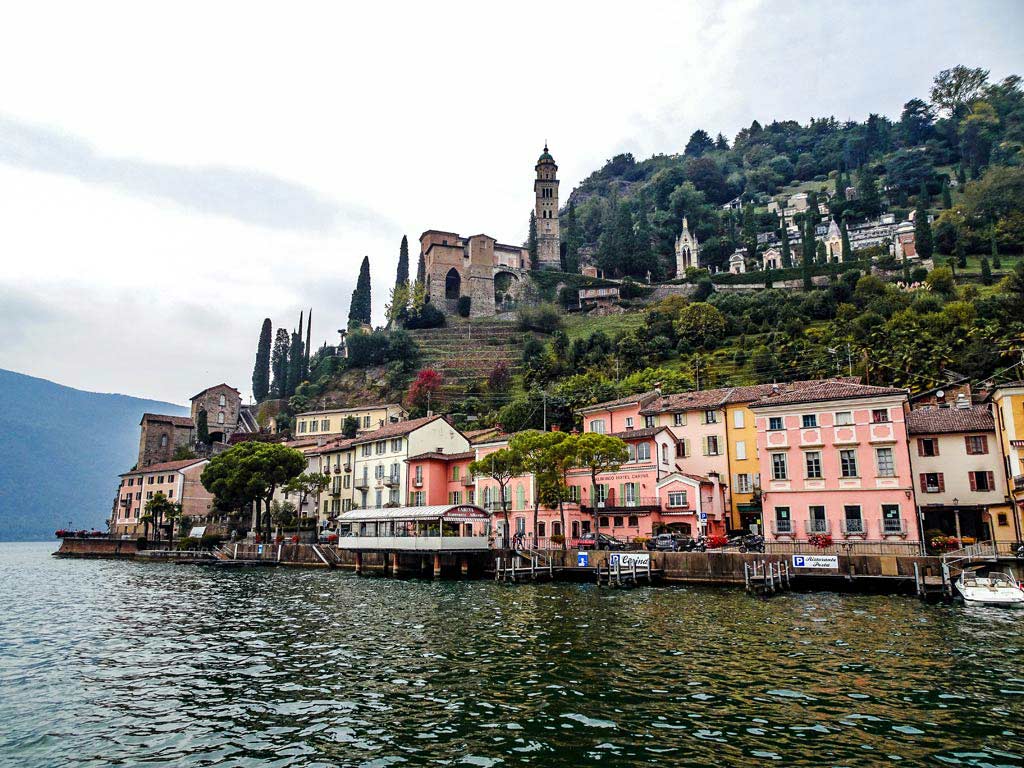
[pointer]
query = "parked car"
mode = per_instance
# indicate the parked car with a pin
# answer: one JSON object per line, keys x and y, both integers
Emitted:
{"x": 668, "y": 542}
{"x": 603, "y": 541}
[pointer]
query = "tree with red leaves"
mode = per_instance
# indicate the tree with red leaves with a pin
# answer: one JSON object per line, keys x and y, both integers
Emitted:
{"x": 421, "y": 391}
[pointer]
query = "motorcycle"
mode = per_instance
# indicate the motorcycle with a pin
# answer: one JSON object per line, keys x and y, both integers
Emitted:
{"x": 700, "y": 544}
{"x": 1018, "y": 550}
{"x": 752, "y": 543}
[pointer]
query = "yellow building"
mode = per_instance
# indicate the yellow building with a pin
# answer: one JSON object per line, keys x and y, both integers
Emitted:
{"x": 336, "y": 462}
{"x": 1008, "y": 402}
{"x": 331, "y": 423}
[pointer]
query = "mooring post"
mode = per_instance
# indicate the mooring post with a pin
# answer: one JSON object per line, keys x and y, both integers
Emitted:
{"x": 437, "y": 565}
{"x": 497, "y": 568}
{"x": 917, "y": 580}
{"x": 394, "y": 563}
{"x": 359, "y": 563}
{"x": 464, "y": 566}
{"x": 746, "y": 576}
{"x": 514, "y": 558}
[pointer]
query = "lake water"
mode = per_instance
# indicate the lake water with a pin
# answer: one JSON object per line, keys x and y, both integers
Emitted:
{"x": 119, "y": 663}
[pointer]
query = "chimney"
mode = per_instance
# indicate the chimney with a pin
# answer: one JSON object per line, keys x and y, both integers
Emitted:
{"x": 962, "y": 401}
{"x": 440, "y": 449}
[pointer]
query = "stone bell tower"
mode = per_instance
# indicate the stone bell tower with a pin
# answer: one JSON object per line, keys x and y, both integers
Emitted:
{"x": 546, "y": 190}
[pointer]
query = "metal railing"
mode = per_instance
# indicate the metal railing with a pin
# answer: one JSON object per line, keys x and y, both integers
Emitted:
{"x": 859, "y": 547}
{"x": 782, "y": 527}
{"x": 894, "y": 527}
{"x": 818, "y": 525}
{"x": 853, "y": 527}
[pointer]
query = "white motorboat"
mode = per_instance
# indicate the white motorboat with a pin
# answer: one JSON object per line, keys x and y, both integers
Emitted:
{"x": 991, "y": 589}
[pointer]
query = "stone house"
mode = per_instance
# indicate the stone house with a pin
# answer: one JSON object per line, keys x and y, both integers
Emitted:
{"x": 222, "y": 404}
{"x": 161, "y": 435}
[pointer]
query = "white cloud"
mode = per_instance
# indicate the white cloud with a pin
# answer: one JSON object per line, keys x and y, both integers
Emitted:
{"x": 175, "y": 124}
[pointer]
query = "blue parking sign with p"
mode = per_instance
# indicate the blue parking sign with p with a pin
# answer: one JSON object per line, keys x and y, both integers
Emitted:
{"x": 798, "y": 561}
{"x": 582, "y": 559}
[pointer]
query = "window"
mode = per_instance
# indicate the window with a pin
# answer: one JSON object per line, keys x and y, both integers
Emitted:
{"x": 220, "y": 417}
{"x": 885, "y": 462}
{"x": 597, "y": 425}
{"x": 780, "y": 470}
{"x": 783, "y": 522}
{"x": 630, "y": 493}
{"x": 378, "y": 498}
{"x": 681, "y": 448}
{"x": 677, "y": 499}
{"x": 601, "y": 493}
{"x": 643, "y": 452}
{"x": 711, "y": 447}
{"x": 852, "y": 521}
{"x": 1002, "y": 519}
{"x": 346, "y": 481}
{"x": 574, "y": 494}
{"x": 982, "y": 481}
{"x": 149, "y": 494}
{"x": 152, "y": 478}
{"x": 737, "y": 418}
{"x": 741, "y": 450}
{"x": 809, "y": 420}
{"x": 892, "y": 523}
{"x": 603, "y": 521}
{"x": 679, "y": 419}
{"x": 812, "y": 460}
{"x": 743, "y": 483}
{"x": 617, "y": 522}
{"x": 848, "y": 463}
{"x": 932, "y": 482}
{"x": 396, "y": 444}
{"x": 844, "y": 418}
{"x": 775, "y": 423}
{"x": 928, "y": 446}
{"x": 416, "y": 498}
{"x": 880, "y": 415}
{"x": 648, "y": 422}
{"x": 223, "y": 401}
{"x": 455, "y": 497}
{"x": 710, "y": 417}
{"x": 520, "y": 497}
{"x": 160, "y": 479}
{"x": 629, "y": 422}
{"x": 366, "y": 421}
{"x": 163, "y": 441}
{"x": 419, "y": 474}
{"x": 367, "y": 449}
{"x": 664, "y": 453}
{"x": 630, "y": 452}
{"x": 817, "y": 522}
{"x": 325, "y": 425}
{"x": 455, "y": 472}
{"x": 976, "y": 444}
{"x": 393, "y": 497}
{"x": 381, "y": 446}
{"x": 378, "y": 472}
{"x": 541, "y": 529}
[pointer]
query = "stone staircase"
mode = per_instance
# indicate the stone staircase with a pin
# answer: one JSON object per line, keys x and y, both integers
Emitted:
{"x": 466, "y": 351}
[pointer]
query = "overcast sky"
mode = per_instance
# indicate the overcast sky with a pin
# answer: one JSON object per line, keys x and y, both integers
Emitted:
{"x": 172, "y": 173}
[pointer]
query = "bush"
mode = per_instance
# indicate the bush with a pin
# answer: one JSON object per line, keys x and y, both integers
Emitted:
{"x": 543, "y": 318}
{"x": 210, "y": 541}
{"x": 428, "y": 317}
{"x": 557, "y": 538}
{"x": 465, "y": 303}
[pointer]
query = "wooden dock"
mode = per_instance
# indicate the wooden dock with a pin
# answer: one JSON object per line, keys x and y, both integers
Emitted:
{"x": 766, "y": 577}
{"x": 525, "y": 565}
{"x": 615, "y": 575}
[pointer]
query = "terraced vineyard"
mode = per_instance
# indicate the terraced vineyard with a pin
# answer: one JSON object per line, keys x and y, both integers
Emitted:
{"x": 466, "y": 351}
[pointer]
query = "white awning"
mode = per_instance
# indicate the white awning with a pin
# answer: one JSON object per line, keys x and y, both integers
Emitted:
{"x": 450, "y": 512}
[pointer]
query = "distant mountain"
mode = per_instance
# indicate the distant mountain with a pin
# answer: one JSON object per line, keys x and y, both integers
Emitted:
{"x": 61, "y": 450}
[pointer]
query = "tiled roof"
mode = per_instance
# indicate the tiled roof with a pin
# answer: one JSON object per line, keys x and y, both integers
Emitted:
{"x": 638, "y": 434}
{"x": 930, "y": 421}
{"x": 396, "y": 429}
{"x": 178, "y": 421}
{"x": 685, "y": 401}
{"x": 351, "y": 409}
{"x": 755, "y": 392}
{"x": 1009, "y": 384}
{"x": 163, "y": 467}
{"x": 640, "y": 398}
{"x": 215, "y": 386}
{"x": 442, "y": 455}
{"x": 829, "y": 389}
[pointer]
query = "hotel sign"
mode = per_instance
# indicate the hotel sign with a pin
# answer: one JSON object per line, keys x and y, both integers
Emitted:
{"x": 827, "y": 562}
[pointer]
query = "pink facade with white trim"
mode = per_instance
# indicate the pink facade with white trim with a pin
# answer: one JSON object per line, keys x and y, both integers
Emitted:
{"x": 837, "y": 467}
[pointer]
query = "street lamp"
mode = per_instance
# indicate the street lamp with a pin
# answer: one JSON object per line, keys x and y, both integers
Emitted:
{"x": 956, "y": 518}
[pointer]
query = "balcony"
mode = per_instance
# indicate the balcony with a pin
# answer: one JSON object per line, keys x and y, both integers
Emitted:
{"x": 897, "y": 527}
{"x": 638, "y": 503}
{"x": 469, "y": 481}
{"x": 347, "y": 466}
{"x": 362, "y": 484}
{"x": 818, "y": 525}
{"x": 854, "y": 527}
{"x": 392, "y": 481}
{"x": 782, "y": 527}
{"x": 1018, "y": 483}
{"x": 417, "y": 482}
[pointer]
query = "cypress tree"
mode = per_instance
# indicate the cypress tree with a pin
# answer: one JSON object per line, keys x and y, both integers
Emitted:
{"x": 947, "y": 197}
{"x": 261, "y": 370}
{"x": 202, "y": 427}
{"x": 986, "y": 272}
{"x": 572, "y": 240}
{"x": 821, "y": 253}
{"x": 923, "y": 242}
{"x": 923, "y": 198}
{"x": 306, "y": 351}
{"x": 531, "y": 240}
{"x": 809, "y": 250}
{"x": 844, "y": 233}
{"x": 768, "y": 278}
{"x": 749, "y": 231}
{"x": 996, "y": 264}
{"x": 295, "y": 362}
{"x": 359, "y": 309}
{"x": 787, "y": 254}
{"x": 959, "y": 251}
{"x": 402, "y": 275}
{"x": 805, "y": 269}
{"x": 279, "y": 363}
{"x": 421, "y": 271}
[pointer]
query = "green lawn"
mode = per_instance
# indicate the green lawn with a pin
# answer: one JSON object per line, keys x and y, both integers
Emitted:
{"x": 580, "y": 325}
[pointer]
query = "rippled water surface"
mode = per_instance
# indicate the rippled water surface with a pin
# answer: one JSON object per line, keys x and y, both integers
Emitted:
{"x": 118, "y": 663}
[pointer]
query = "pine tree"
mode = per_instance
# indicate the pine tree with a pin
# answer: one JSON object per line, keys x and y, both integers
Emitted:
{"x": 721, "y": 143}
{"x": 261, "y": 370}
{"x": 359, "y": 309}
{"x": 923, "y": 242}
{"x": 279, "y": 363}
{"x": 295, "y": 362}
{"x": 986, "y": 272}
{"x": 996, "y": 263}
{"x": 845, "y": 234}
{"x": 402, "y": 275}
{"x": 787, "y": 254}
{"x": 531, "y": 240}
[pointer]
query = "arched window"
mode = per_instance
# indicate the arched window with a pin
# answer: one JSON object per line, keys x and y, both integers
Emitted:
{"x": 220, "y": 417}
{"x": 223, "y": 401}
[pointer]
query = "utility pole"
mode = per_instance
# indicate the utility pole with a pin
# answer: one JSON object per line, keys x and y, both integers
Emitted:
{"x": 696, "y": 363}
{"x": 544, "y": 396}
{"x": 849, "y": 360}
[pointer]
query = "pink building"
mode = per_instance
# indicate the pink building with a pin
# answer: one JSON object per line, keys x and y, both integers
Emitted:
{"x": 834, "y": 461}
